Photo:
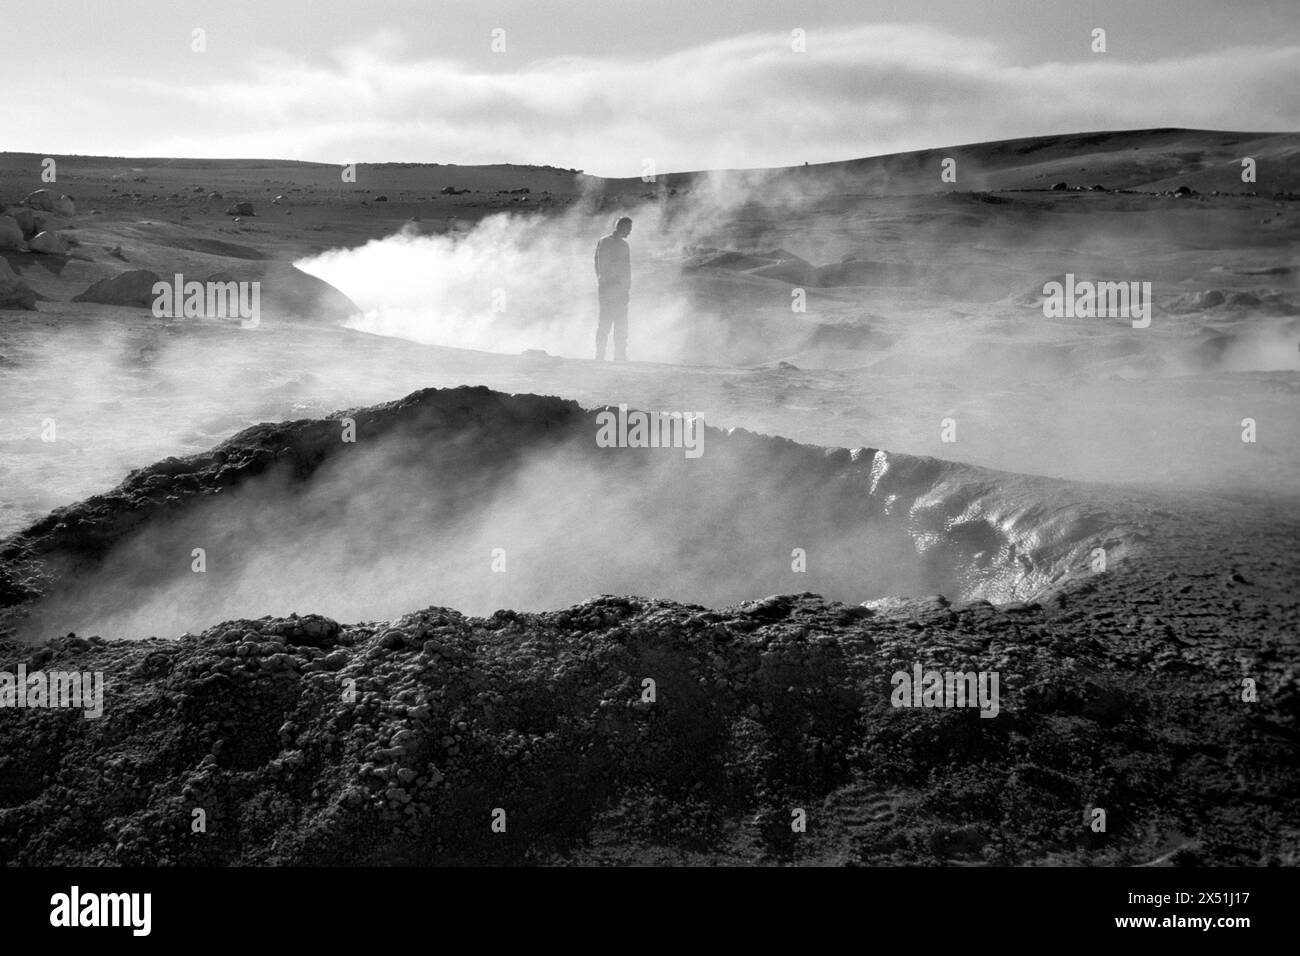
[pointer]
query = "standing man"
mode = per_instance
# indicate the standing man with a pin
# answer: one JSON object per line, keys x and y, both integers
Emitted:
{"x": 614, "y": 285}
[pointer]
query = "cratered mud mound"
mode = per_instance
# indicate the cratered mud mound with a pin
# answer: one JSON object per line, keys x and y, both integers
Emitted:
{"x": 642, "y": 730}
{"x": 476, "y": 500}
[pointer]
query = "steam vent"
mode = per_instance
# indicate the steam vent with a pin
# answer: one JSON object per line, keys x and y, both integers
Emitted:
{"x": 371, "y": 723}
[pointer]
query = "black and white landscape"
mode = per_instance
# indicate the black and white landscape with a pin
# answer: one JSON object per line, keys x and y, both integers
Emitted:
{"x": 944, "y": 511}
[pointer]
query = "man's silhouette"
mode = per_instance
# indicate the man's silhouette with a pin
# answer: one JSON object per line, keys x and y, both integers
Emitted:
{"x": 614, "y": 285}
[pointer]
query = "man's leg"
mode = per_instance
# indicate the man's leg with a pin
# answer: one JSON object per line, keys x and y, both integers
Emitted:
{"x": 602, "y": 327}
{"x": 620, "y": 331}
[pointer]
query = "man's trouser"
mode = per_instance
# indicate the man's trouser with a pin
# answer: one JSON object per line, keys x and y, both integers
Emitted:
{"x": 613, "y": 314}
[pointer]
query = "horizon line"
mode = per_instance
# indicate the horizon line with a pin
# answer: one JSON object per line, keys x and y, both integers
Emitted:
{"x": 683, "y": 172}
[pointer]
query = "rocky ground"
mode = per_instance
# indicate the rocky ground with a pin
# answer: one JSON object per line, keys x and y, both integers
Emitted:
{"x": 306, "y": 742}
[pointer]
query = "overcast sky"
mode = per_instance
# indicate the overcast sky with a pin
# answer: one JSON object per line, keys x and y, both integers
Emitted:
{"x": 604, "y": 85}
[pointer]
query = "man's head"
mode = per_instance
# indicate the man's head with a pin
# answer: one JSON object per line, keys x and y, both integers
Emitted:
{"x": 623, "y": 227}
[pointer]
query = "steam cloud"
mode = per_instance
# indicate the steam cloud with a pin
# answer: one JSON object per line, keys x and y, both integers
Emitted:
{"x": 514, "y": 282}
{"x": 397, "y": 524}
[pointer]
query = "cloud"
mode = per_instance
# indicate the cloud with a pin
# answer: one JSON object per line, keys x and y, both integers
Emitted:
{"x": 740, "y": 102}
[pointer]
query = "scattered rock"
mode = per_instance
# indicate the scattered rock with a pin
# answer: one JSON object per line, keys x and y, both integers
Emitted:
{"x": 50, "y": 244}
{"x": 41, "y": 199}
{"x": 14, "y": 292}
{"x": 25, "y": 218}
{"x": 241, "y": 209}
{"x": 11, "y": 234}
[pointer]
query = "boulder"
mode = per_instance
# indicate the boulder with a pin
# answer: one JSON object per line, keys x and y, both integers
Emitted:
{"x": 16, "y": 294}
{"x": 381, "y": 199}
{"x": 241, "y": 209}
{"x": 64, "y": 206}
{"x": 42, "y": 199}
{"x": 11, "y": 234}
{"x": 289, "y": 294}
{"x": 51, "y": 244}
{"x": 25, "y": 218}
{"x": 134, "y": 288}
{"x": 1060, "y": 187}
